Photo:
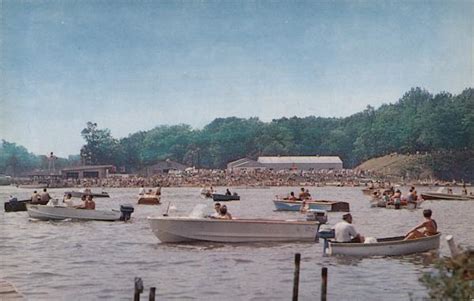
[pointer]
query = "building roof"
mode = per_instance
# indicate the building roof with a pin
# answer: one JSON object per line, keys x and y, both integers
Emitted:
{"x": 299, "y": 159}
{"x": 87, "y": 167}
{"x": 248, "y": 164}
{"x": 237, "y": 162}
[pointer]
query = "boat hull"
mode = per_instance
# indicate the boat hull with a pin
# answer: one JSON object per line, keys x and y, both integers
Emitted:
{"x": 44, "y": 212}
{"x": 393, "y": 246}
{"x": 183, "y": 229}
{"x": 446, "y": 196}
{"x": 78, "y": 194}
{"x": 149, "y": 200}
{"x": 316, "y": 205}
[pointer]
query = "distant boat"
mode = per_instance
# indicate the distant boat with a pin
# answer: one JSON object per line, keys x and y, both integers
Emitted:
{"x": 225, "y": 198}
{"x": 149, "y": 200}
{"x": 186, "y": 229}
{"x": 446, "y": 196}
{"x": 333, "y": 206}
{"x": 390, "y": 246}
{"x": 44, "y": 212}
{"x": 80, "y": 194}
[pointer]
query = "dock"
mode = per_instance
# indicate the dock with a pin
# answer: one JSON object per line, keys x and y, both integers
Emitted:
{"x": 9, "y": 292}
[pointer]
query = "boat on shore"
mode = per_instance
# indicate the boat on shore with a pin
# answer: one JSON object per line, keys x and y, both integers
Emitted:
{"x": 389, "y": 246}
{"x": 216, "y": 197}
{"x": 44, "y": 212}
{"x": 80, "y": 194}
{"x": 188, "y": 229}
{"x": 331, "y": 206}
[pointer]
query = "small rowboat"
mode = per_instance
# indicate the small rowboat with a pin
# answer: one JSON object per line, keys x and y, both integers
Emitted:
{"x": 149, "y": 200}
{"x": 333, "y": 206}
{"x": 390, "y": 246}
{"x": 225, "y": 198}
{"x": 44, "y": 212}
{"x": 79, "y": 194}
{"x": 186, "y": 229}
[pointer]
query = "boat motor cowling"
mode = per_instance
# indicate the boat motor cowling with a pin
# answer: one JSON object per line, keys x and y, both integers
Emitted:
{"x": 127, "y": 211}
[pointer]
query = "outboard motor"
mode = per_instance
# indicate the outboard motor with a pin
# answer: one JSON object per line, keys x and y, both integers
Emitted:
{"x": 127, "y": 211}
{"x": 317, "y": 215}
{"x": 326, "y": 233}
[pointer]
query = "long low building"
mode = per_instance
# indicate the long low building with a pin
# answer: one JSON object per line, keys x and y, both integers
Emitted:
{"x": 277, "y": 163}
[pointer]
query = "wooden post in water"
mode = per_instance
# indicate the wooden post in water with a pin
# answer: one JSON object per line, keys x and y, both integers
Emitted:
{"x": 138, "y": 288}
{"x": 296, "y": 280}
{"x": 151, "y": 297}
{"x": 324, "y": 283}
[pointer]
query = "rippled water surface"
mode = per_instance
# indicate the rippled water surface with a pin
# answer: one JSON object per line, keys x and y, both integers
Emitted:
{"x": 99, "y": 260}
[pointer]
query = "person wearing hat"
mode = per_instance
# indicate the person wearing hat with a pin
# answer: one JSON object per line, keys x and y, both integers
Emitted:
{"x": 346, "y": 232}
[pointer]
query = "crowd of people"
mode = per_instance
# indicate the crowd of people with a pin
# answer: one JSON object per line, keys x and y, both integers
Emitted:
{"x": 214, "y": 177}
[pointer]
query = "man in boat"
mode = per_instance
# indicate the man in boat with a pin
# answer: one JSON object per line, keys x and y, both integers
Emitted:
{"x": 217, "y": 213}
{"x": 224, "y": 214}
{"x": 292, "y": 197}
{"x": 346, "y": 232}
{"x": 68, "y": 201}
{"x": 45, "y": 197}
{"x": 35, "y": 197}
{"x": 426, "y": 228}
{"x": 227, "y": 192}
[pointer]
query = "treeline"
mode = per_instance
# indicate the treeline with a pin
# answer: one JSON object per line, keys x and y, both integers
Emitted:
{"x": 418, "y": 122}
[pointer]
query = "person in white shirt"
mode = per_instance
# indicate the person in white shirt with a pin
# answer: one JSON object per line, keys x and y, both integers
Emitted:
{"x": 346, "y": 232}
{"x": 68, "y": 201}
{"x": 141, "y": 191}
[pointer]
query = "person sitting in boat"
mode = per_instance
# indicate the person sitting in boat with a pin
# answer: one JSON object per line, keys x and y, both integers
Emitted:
{"x": 68, "y": 201}
{"x": 88, "y": 203}
{"x": 464, "y": 189}
{"x": 217, "y": 213}
{"x": 35, "y": 197}
{"x": 224, "y": 214}
{"x": 292, "y": 197}
{"x": 45, "y": 197}
{"x": 426, "y": 228}
{"x": 227, "y": 192}
{"x": 346, "y": 232}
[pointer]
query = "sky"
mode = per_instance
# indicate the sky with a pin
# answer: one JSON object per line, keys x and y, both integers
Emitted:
{"x": 134, "y": 65}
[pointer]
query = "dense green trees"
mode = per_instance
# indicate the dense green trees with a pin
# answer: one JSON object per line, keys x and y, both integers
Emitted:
{"x": 418, "y": 122}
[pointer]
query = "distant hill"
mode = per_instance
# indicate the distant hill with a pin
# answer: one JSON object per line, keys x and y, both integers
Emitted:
{"x": 439, "y": 165}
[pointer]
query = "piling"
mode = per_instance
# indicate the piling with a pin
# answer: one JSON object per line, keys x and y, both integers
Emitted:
{"x": 151, "y": 297}
{"x": 138, "y": 288}
{"x": 296, "y": 280}
{"x": 324, "y": 283}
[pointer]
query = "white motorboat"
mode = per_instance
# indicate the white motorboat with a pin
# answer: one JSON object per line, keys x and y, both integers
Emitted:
{"x": 44, "y": 212}
{"x": 391, "y": 246}
{"x": 187, "y": 229}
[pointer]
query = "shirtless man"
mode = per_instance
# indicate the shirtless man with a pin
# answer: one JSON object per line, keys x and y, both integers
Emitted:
{"x": 427, "y": 228}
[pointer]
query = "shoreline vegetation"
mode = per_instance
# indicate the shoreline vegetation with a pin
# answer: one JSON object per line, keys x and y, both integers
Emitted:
{"x": 431, "y": 136}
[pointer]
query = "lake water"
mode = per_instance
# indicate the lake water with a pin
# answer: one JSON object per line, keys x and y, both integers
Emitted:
{"x": 98, "y": 260}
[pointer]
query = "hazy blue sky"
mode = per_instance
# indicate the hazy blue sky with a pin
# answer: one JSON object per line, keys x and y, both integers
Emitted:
{"x": 133, "y": 65}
